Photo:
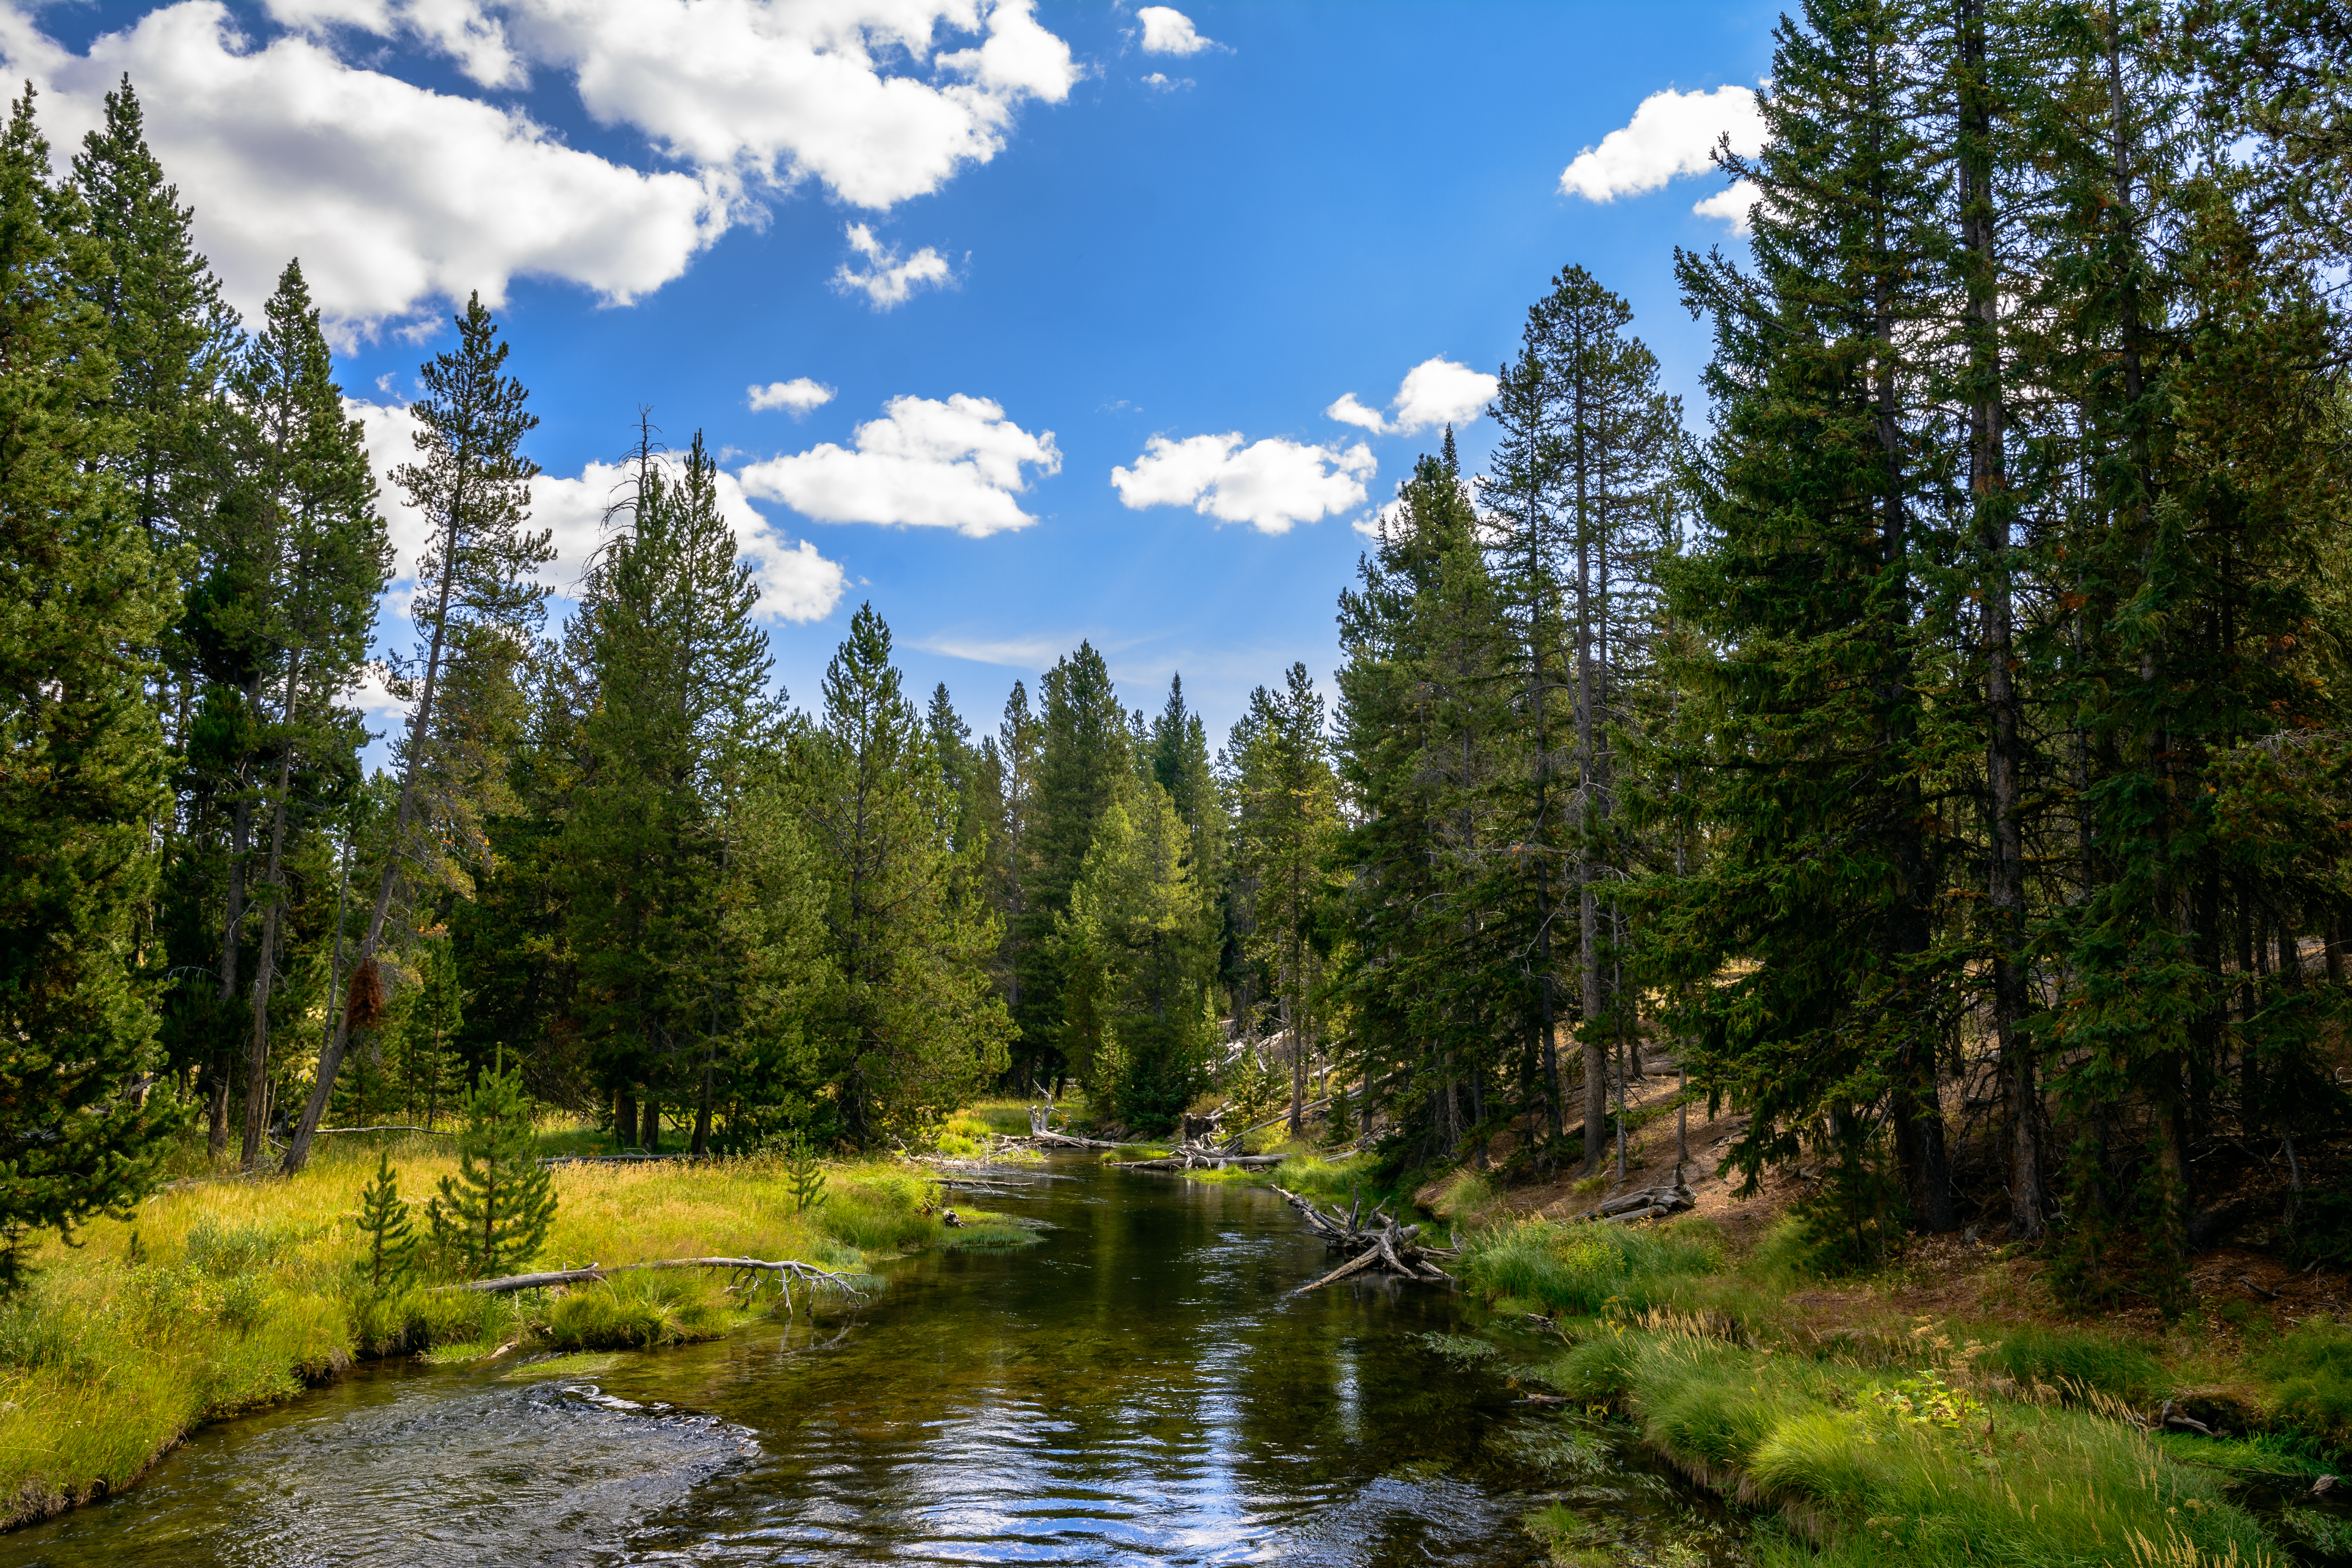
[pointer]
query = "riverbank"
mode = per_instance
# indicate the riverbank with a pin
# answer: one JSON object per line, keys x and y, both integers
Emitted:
{"x": 1874, "y": 1425}
{"x": 224, "y": 1294}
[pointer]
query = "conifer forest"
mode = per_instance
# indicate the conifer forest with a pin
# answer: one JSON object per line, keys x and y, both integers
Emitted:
{"x": 1944, "y": 753}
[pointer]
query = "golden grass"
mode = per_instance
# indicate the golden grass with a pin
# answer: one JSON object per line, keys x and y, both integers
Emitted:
{"x": 221, "y": 1295}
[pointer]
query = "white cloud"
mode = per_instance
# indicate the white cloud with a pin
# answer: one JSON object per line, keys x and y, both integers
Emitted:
{"x": 391, "y": 195}
{"x": 1671, "y": 134}
{"x": 396, "y": 197}
{"x": 1168, "y": 31}
{"x": 924, "y": 464}
{"x": 1270, "y": 484}
{"x": 777, "y": 92}
{"x": 1161, "y": 82}
{"x": 798, "y": 396}
{"x": 1435, "y": 392}
{"x": 1734, "y": 206}
{"x": 462, "y": 29}
{"x": 1031, "y": 652}
{"x": 1378, "y": 525}
{"x": 888, "y": 280}
{"x": 796, "y": 584}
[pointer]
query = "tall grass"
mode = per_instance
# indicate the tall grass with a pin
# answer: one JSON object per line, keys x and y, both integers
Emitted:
{"x": 1581, "y": 1270}
{"x": 1877, "y": 1467}
{"x": 223, "y": 1294}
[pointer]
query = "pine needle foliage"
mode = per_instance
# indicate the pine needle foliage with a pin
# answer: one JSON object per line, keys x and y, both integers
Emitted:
{"x": 494, "y": 1213}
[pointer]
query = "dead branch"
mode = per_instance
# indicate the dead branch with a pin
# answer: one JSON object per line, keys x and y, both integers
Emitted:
{"x": 784, "y": 1270}
{"x": 1377, "y": 1238}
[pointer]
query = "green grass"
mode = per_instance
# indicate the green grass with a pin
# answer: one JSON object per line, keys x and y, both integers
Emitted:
{"x": 222, "y": 1295}
{"x": 2073, "y": 1359}
{"x": 1583, "y": 1270}
{"x": 637, "y": 1312}
{"x": 1898, "y": 1439}
{"x": 2309, "y": 1372}
{"x": 1872, "y": 1467}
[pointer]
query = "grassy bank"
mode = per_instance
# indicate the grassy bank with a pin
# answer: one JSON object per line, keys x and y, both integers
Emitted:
{"x": 1879, "y": 1436}
{"x": 224, "y": 1295}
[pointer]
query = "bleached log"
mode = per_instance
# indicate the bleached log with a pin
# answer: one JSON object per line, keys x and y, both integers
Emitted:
{"x": 783, "y": 1268}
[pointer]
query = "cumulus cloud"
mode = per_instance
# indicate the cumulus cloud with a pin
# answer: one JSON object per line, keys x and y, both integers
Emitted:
{"x": 1380, "y": 525}
{"x": 778, "y": 93}
{"x": 396, "y": 197}
{"x": 796, "y": 584}
{"x": 1269, "y": 484}
{"x": 886, "y": 279}
{"x": 924, "y": 464}
{"x": 391, "y": 195}
{"x": 798, "y": 396}
{"x": 1735, "y": 206}
{"x": 460, "y": 30}
{"x": 1435, "y": 392}
{"x": 1671, "y": 134}
{"x": 1168, "y": 31}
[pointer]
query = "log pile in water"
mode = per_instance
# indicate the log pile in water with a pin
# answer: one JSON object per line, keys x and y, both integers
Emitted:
{"x": 1649, "y": 1203}
{"x": 1376, "y": 1240}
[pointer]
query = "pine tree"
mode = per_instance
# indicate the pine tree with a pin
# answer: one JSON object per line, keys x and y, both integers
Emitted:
{"x": 1811, "y": 595}
{"x": 911, "y": 1027}
{"x": 675, "y": 708}
{"x": 1285, "y": 813}
{"x": 384, "y": 1220}
{"x": 1084, "y": 751}
{"x": 84, "y": 600}
{"x": 1137, "y": 958}
{"x": 476, "y": 611}
{"x": 494, "y": 1213}
{"x": 306, "y": 491}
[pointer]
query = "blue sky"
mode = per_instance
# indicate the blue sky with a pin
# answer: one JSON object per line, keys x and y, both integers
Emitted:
{"x": 1168, "y": 225}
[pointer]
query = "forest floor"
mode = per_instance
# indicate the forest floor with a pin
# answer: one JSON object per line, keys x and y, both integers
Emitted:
{"x": 224, "y": 1293}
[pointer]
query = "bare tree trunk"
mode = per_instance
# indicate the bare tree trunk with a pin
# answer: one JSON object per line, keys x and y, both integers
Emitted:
{"x": 265, "y": 968}
{"x": 651, "y": 1139}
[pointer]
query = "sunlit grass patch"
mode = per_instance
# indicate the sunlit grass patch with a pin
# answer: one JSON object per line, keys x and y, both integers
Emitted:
{"x": 221, "y": 1295}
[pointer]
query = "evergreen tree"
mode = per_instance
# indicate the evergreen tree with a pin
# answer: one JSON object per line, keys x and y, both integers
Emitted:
{"x": 1812, "y": 594}
{"x": 677, "y": 710}
{"x": 306, "y": 491}
{"x": 911, "y": 1027}
{"x": 493, "y": 1215}
{"x": 475, "y": 611}
{"x": 1137, "y": 958}
{"x": 1084, "y": 751}
{"x": 1284, "y": 814}
{"x": 84, "y": 600}
{"x": 384, "y": 1220}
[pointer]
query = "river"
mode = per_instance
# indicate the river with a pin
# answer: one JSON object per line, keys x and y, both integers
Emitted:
{"x": 1137, "y": 1387}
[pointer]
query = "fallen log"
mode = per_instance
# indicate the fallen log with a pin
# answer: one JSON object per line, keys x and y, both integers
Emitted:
{"x": 1376, "y": 1239}
{"x": 1647, "y": 1203}
{"x": 1193, "y": 1160}
{"x": 784, "y": 1269}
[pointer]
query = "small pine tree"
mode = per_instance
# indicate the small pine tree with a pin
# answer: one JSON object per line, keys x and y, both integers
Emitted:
{"x": 805, "y": 1176}
{"x": 494, "y": 1212}
{"x": 384, "y": 1218}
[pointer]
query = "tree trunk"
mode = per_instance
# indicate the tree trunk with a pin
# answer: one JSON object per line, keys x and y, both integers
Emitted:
{"x": 624, "y": 1118}
{"x": 265, "y": 968}
{"x": 650, "y": 1140}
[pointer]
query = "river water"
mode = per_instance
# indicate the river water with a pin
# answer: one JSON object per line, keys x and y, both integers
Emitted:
{"x": 1137, "y": 1387}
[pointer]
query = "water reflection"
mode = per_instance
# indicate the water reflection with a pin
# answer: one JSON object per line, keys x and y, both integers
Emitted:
{"x": 1137, "y": 1388}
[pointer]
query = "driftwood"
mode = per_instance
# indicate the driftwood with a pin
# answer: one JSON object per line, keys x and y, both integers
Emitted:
{"x": 1648, "y": 1203}
{"x": 1197, "y": 1159}
{"x": 611, "y": 1158}
{"x": 785, "y": 1272}
{"x": 1378, "y": 1240}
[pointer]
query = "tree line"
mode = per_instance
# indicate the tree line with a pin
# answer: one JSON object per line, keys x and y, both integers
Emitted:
{"x": 1941, "y": 758}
